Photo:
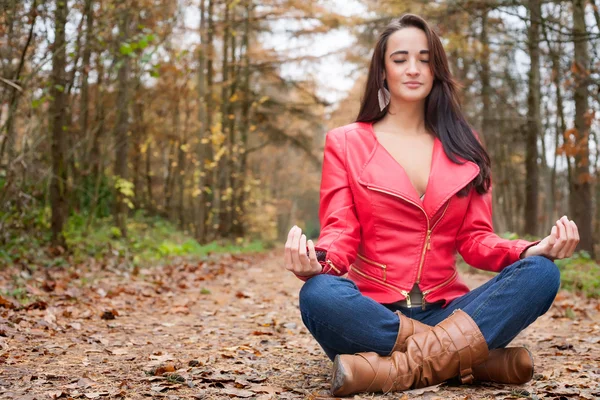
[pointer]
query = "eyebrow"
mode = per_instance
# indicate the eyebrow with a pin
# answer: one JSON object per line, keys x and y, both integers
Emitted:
{"x": 406, "y": 52}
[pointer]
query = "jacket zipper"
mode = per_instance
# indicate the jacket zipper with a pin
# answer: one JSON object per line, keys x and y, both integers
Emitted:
{"x": 332, "y": 266}
{"x": 359, "y": 272}
{"x": 382, "y": 266}
{"x": 407, "y": 295}
{"x": 446, "y": 282}
{"x": 427, "y": 245}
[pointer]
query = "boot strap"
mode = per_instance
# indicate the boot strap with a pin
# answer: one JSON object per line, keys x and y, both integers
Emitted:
{"x": 463, "y": 348}
{"x": 466, "y": 372}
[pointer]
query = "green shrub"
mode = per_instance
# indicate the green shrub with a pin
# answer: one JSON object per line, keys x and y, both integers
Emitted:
{"x": 580, "y": 273}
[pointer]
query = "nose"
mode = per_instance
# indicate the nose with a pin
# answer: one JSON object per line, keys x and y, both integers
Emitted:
{"x": 413, "y": 69}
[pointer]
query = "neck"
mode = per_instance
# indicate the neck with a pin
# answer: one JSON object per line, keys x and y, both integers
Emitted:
{"x": 404, "y": 118}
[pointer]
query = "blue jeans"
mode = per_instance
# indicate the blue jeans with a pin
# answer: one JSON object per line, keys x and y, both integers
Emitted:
{"x": 343, "y": 321}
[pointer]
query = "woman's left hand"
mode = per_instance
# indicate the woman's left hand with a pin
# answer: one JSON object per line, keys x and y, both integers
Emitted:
{"x": 561, "y": 242}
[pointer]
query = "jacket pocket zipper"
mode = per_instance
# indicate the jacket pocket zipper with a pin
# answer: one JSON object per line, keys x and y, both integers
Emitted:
{"x": 332, "y": 266}
{"x": 380, "y": 265}
{"x": 441, "y": 285}
{"x": 405, "y": 293}
{"x": 355, "y": 269}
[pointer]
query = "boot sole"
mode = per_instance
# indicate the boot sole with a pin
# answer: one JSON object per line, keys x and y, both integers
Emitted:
{"x": 338, "y": 376}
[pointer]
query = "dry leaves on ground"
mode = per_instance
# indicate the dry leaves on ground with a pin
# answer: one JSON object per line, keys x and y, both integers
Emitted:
{"x": 226, "y": 328}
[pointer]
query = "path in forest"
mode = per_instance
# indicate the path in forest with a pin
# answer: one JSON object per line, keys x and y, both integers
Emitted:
{"x": 229, "y": 328}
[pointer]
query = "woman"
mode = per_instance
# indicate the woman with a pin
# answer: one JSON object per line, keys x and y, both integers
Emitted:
{"x": 403, "y": 189}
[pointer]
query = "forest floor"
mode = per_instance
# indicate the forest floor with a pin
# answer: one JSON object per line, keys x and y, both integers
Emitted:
{"x": 226, "y": 327}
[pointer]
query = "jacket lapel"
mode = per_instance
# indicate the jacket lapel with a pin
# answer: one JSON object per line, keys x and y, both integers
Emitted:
{"x": 446, "y": 178}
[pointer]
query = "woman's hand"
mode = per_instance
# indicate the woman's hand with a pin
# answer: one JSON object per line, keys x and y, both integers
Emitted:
{"x": 561, "y": 242}
{"x": 296, "y": 259}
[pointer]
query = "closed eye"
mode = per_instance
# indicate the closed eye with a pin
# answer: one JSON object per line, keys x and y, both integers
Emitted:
{"x": 401, "y": 61}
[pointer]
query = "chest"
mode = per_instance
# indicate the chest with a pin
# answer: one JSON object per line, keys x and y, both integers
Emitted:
{"x": 413, "y": 155}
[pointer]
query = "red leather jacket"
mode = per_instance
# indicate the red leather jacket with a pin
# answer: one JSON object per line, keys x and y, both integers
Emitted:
{"x": 375, "y": 228}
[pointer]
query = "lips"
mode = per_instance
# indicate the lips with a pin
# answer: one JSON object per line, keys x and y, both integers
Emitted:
{"x": 413, "y": 84}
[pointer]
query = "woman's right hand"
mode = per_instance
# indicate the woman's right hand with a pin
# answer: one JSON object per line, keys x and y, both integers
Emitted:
{"x": 296, "y": 259}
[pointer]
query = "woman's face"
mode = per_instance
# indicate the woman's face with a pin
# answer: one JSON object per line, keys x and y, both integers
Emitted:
{"x": 406, "y": 62}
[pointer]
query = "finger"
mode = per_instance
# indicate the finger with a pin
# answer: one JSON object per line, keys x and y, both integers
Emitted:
{"x": 302, "y": 254}
{"x": 288, "y": 250}
{"x": 552, "y": 239}
{"x": 566, "y": 252}
{"x": 575, "y": 237}
{"x": 575, "y": 229}
{"x": 296, "y": 264}
{"x": 562, "y": 239}
{"x": 312, "y": 253}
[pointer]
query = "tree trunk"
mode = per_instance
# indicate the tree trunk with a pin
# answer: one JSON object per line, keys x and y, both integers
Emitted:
{"x": 582, "y": 212}
{"x": 560, "y": 125}
{"x": 203, "y": 148}
{"x": 58, "y": 182}
{"x": 209, "y": 101}
{"x": 151, "y": 202}
{"x": 84, "y": 109}
{"x": 488, "y": 128}
{"x": 181, "y": 163}
{"x": 233, "y": 158}
{"x": 96, "y": 164}
{"x": 13, "y": 102}
{"x": 534, "y": 128}
{"x": 240, "y": 193}
{"x": 139, "y": 137}
{"x": 221, "y": 172}
{"x": 122, "y": 125}
{"x": 168, "y": 185}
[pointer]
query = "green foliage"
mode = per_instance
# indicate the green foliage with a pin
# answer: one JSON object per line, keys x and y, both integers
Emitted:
{"x": 125, "y": 187}
{"x": 18, "y": 293}
{"x": 150, "y": 240}
{"x": 86, "y": 192}
{"x": 580, "y": 273}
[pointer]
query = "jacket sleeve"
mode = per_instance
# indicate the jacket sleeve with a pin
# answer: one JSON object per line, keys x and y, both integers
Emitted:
{"x": 477, "y": 243}
{"x": 340, "y": 230}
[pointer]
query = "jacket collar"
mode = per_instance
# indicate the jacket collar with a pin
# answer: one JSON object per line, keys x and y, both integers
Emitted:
{"x": 382, "y": 172}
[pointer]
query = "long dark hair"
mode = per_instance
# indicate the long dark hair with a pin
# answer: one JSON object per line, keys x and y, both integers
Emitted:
{"x": 443, "y": 115}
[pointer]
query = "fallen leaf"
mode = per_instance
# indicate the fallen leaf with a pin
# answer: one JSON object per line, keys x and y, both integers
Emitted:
{"x": 109, "y": 314}
{"x": 231, "y": 392}
{"x": 55, "y": 394}
{"x": 272, "y": 390}
{"x": 7, "y": 303}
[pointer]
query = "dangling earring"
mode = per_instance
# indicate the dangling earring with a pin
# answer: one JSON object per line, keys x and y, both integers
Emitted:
{"x": 383, "y": 95}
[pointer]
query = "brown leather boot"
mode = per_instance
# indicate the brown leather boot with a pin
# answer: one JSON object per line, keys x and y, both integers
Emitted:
{"x": 408, "y": 327}
{"x": 512, "y": 365}
{"x": 447, "y": 350}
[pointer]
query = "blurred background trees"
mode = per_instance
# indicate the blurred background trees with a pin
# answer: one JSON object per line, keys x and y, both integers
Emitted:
{"x": 187, "y": 111}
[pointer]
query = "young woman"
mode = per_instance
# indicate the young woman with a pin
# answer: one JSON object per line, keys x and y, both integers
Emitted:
{"x": 403, "y": 188}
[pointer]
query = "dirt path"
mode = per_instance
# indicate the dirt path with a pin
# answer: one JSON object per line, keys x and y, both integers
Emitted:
{"x": 228, "y": 328}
